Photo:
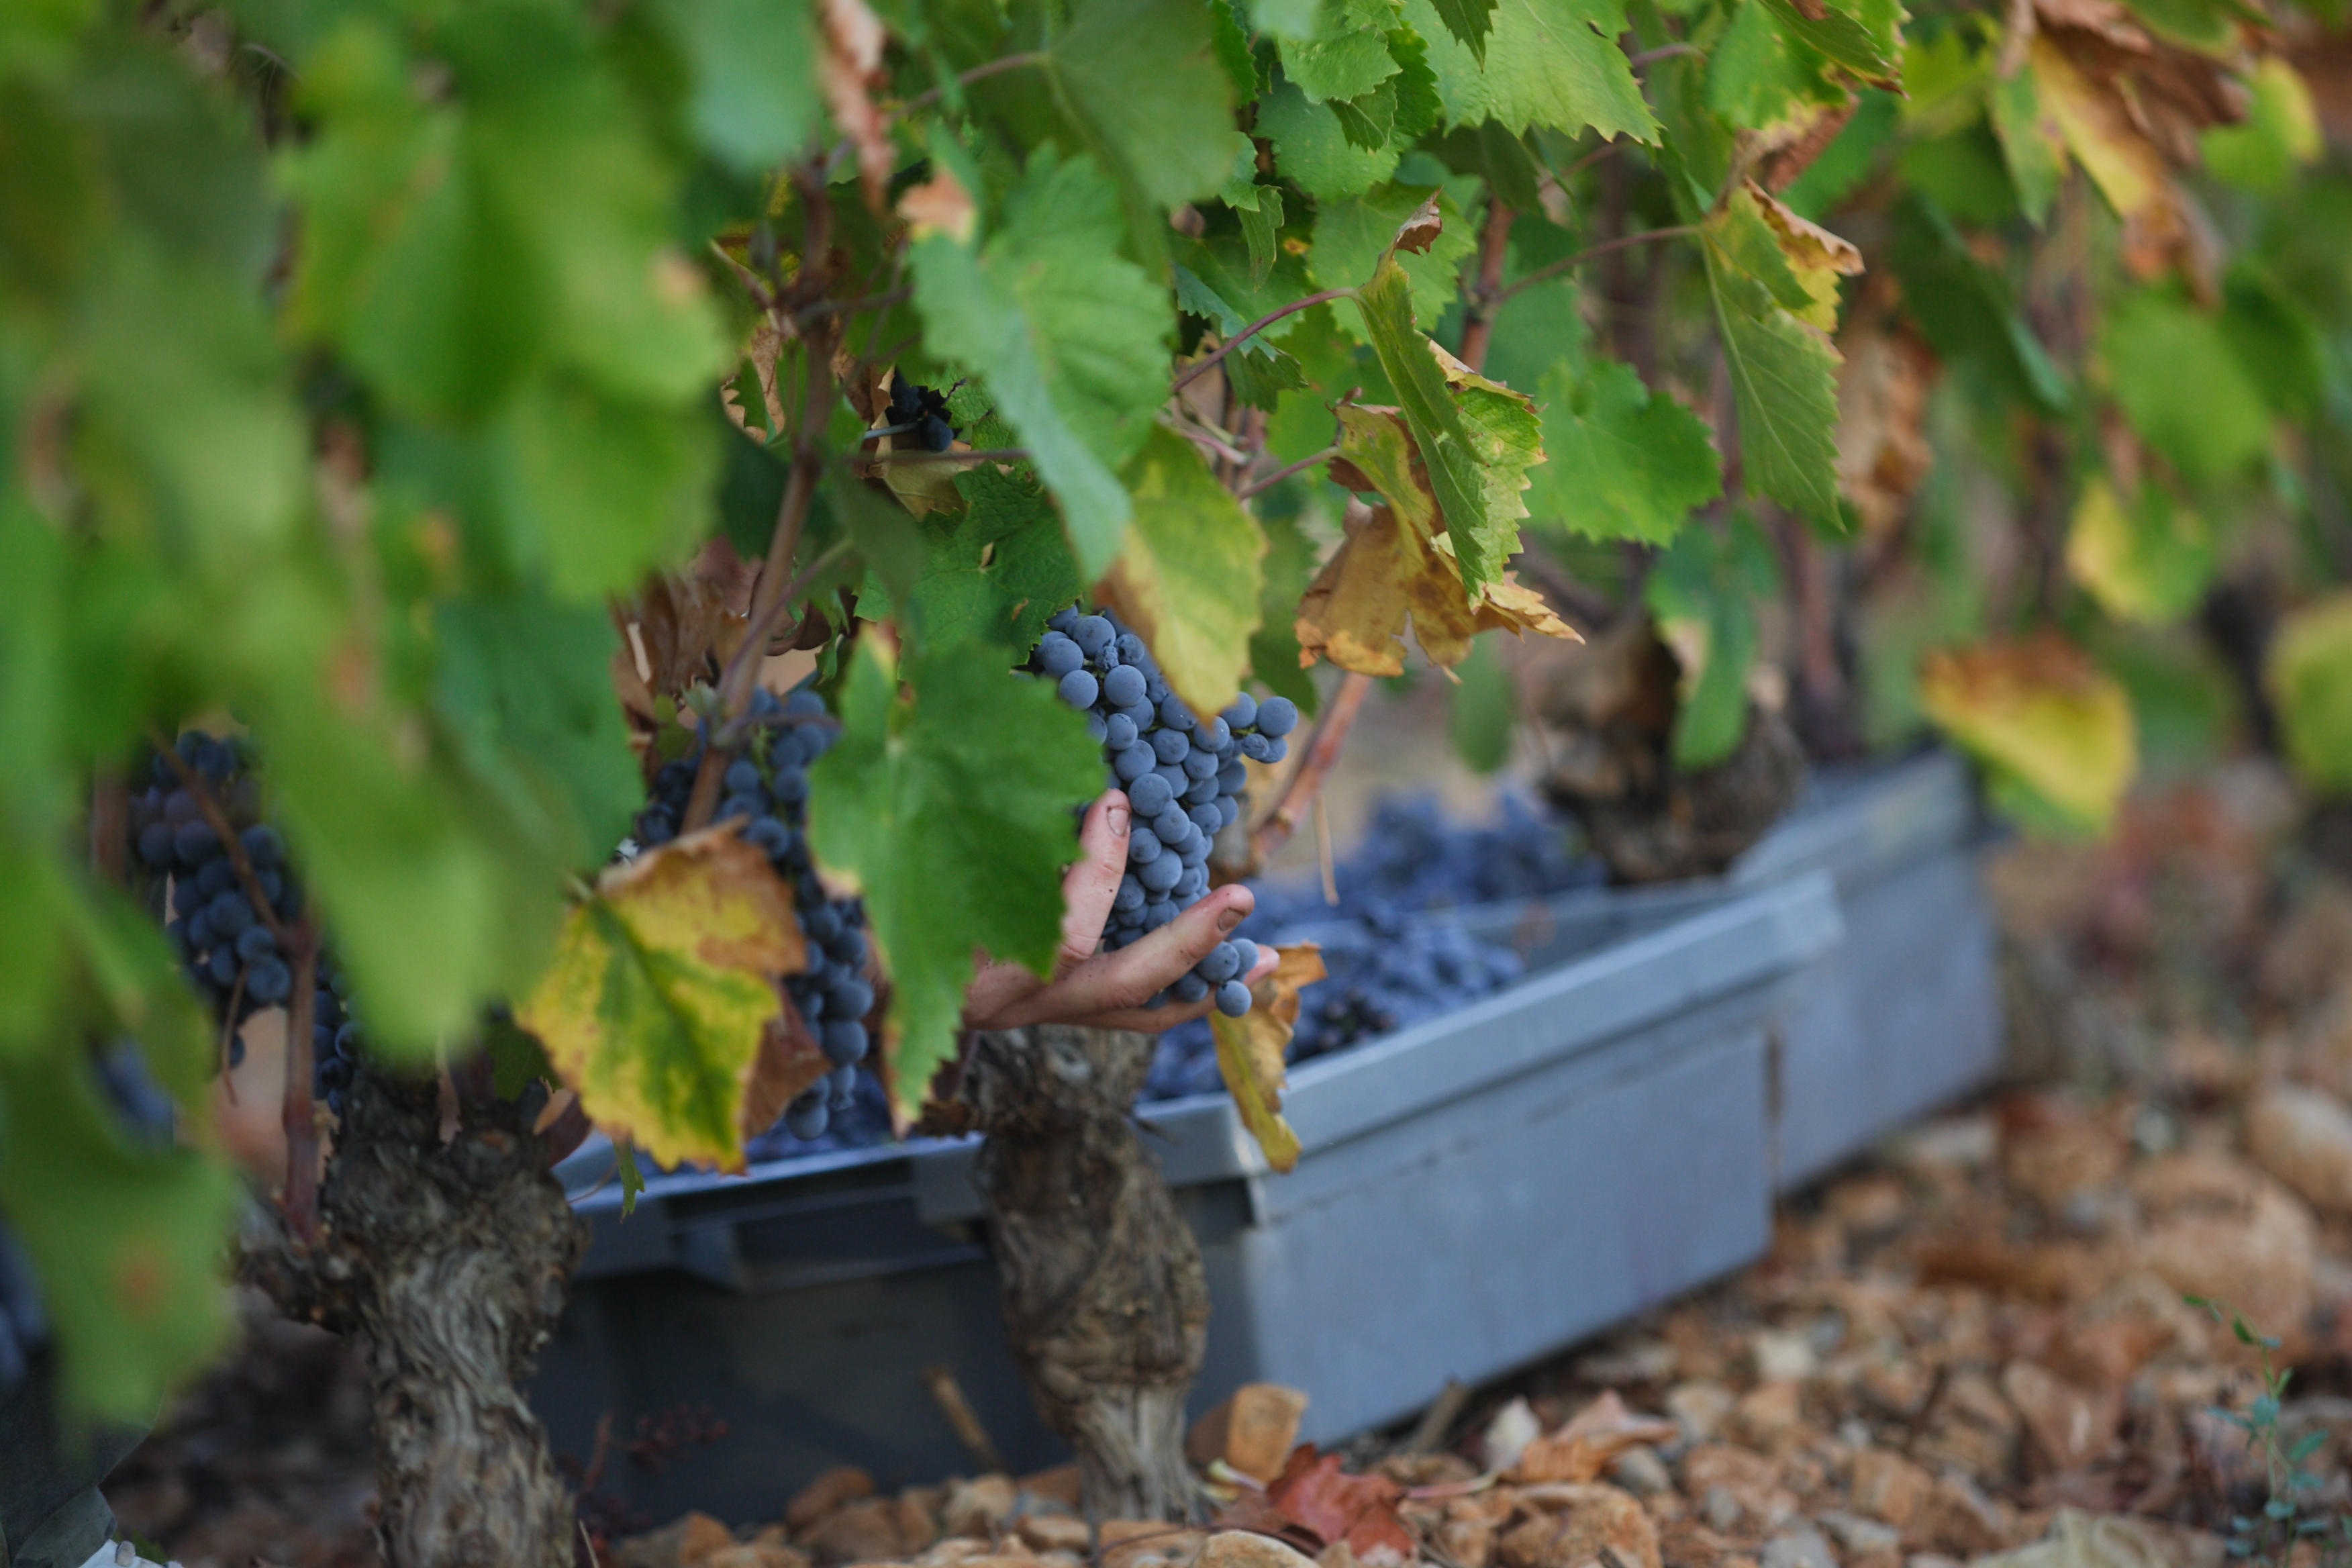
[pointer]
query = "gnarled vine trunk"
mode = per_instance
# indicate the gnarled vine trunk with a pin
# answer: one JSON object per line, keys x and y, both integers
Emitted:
{"x": 1105, "y": 1303}
{"x": 449, "y": 1259}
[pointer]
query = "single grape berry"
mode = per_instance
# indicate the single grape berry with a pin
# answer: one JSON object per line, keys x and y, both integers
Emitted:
{"x": 1123, "y": 686}
{"x": 1079, "y": 689}
{"x": 1232, "y": 999}
{"x": 1277, "y": 717}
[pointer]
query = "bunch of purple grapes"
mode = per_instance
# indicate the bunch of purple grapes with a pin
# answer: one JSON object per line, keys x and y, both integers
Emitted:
{"x": 1183, "y": 777}
{"x": 223, "y": 940}
{"x": 766, "y": 788}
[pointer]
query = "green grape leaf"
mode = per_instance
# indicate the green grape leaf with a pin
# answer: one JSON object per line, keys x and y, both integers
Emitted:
{"x": 2271, "y": 326}
{"x": 1625, "y": 462}
{"x": 2172, "y": 369}
{"x": 525, "y": 690}
{"x": 1346, "y": 58}
{"x": 1225, "y": 271}
{"x": 603, "y": 489}
{"x": 1418, "y": 109}
{"x": 2146, "y": 558}
{"x": 1549, "y": 63}
{"x": 755, "y": 84}
{"x": 438, "y": 899}
{"x": 1289, "y": 566}
{"x": 1757, "y": 74}
{"x": 1259, "y": 381}
{"x": 1141, "y": 77}
{"x": 1259, "y": 208}
{"x": 997, "y": 570}
{"x": 632, "y": 1180}
{"x": 1783, "y": 379}
{"x": 1231, "y": 41}
{"x": 1863, "y": 35}
{"x": 1190, "y": 577}
{"x": 662, "y": 993}
{"x": 1369, "y": 122}
{"x": 1965, "y": 310}
{"x": 1351, "y": 235}
{"x": 1310, "y": 147}
{"x": 1482, "y": 710}
{"x": 1195, "y": 298}
{"x": 450, "y": 246}
{"x": 2309, "y": 674}
{"x": 1848, "y": 159}
{"x": 1469, "y": 21}
{"x": 411, "y": 268}
{"x": 1703, "y": 592}
{"x": 2032, "y": 143}
{"x": 130, "y": 1244}
{"x": 2280, "y": 133}
{"x": 949, "y": 808}
{"x": 1499, "y": 158}
{"x": 1068, "y": 336}
{"x": 1477, "y": 437}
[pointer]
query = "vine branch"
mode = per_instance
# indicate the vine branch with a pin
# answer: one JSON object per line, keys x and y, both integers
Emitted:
{"x": 1306, "y": 780}
{"x": 1554, "y": 269}
{"x": 930, "y": 95}
{"x": 1275, "y": 478}
{"x": 1200, "y": 367}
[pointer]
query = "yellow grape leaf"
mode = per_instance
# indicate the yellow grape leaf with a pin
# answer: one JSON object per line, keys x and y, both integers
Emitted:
{"x": 2038, "y": 715}
{"x": 2147, "y": 560}
{"x": 2097, "y": 124}
{"x": 1190, "y": 575}
{"x": 1817, "y": 257}
{"x": 662, "y": 992}
{"x": 1250, "y": 1047}
{"x": 2309, "y": 673}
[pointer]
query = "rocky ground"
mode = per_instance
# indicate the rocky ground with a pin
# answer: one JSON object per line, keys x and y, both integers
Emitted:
{"x": 1979, "y": 1341}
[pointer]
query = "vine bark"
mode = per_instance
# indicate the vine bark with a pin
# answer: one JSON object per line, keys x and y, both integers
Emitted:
{"x": 1106, "y": 1306}
{"x": 448, "y": 1258}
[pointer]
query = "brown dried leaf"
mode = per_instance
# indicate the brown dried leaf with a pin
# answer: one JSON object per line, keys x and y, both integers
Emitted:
{"x": 1335, "y": 1506}
{"x": 1777, "y": 154}
{"x": 1585, "y": 1447}
{"x": 1883, "y": 452}
{"x": 1386, "y": 572}
{"x": 940, "y": 205}
{"x": 1420, "y": 231}
{"x": 790, "y": 1060}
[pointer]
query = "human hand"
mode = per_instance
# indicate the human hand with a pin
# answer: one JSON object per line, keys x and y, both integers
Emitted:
{"x": 1107, "y": 990}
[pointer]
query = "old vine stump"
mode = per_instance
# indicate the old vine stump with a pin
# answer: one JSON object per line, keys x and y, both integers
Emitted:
{"x": 449, "y": 1261}
{"x": 1105, "y": 1303}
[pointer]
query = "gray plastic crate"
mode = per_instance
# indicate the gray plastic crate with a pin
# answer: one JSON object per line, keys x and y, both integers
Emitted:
{"x": 1499, "y": 1182}
{"x": 1906, "y": 1015}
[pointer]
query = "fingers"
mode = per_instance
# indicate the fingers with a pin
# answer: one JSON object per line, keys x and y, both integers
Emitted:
{"x": 994, "y": 988}
{"x": 1153, "y": 1020}
{"x": 1088, "y": 888}
{"x": 1090, "y": 885}
{"x": 1118, "y": 982}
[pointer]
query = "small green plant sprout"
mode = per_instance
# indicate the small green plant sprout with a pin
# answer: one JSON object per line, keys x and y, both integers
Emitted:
{"x": 2291, "y": 1516}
